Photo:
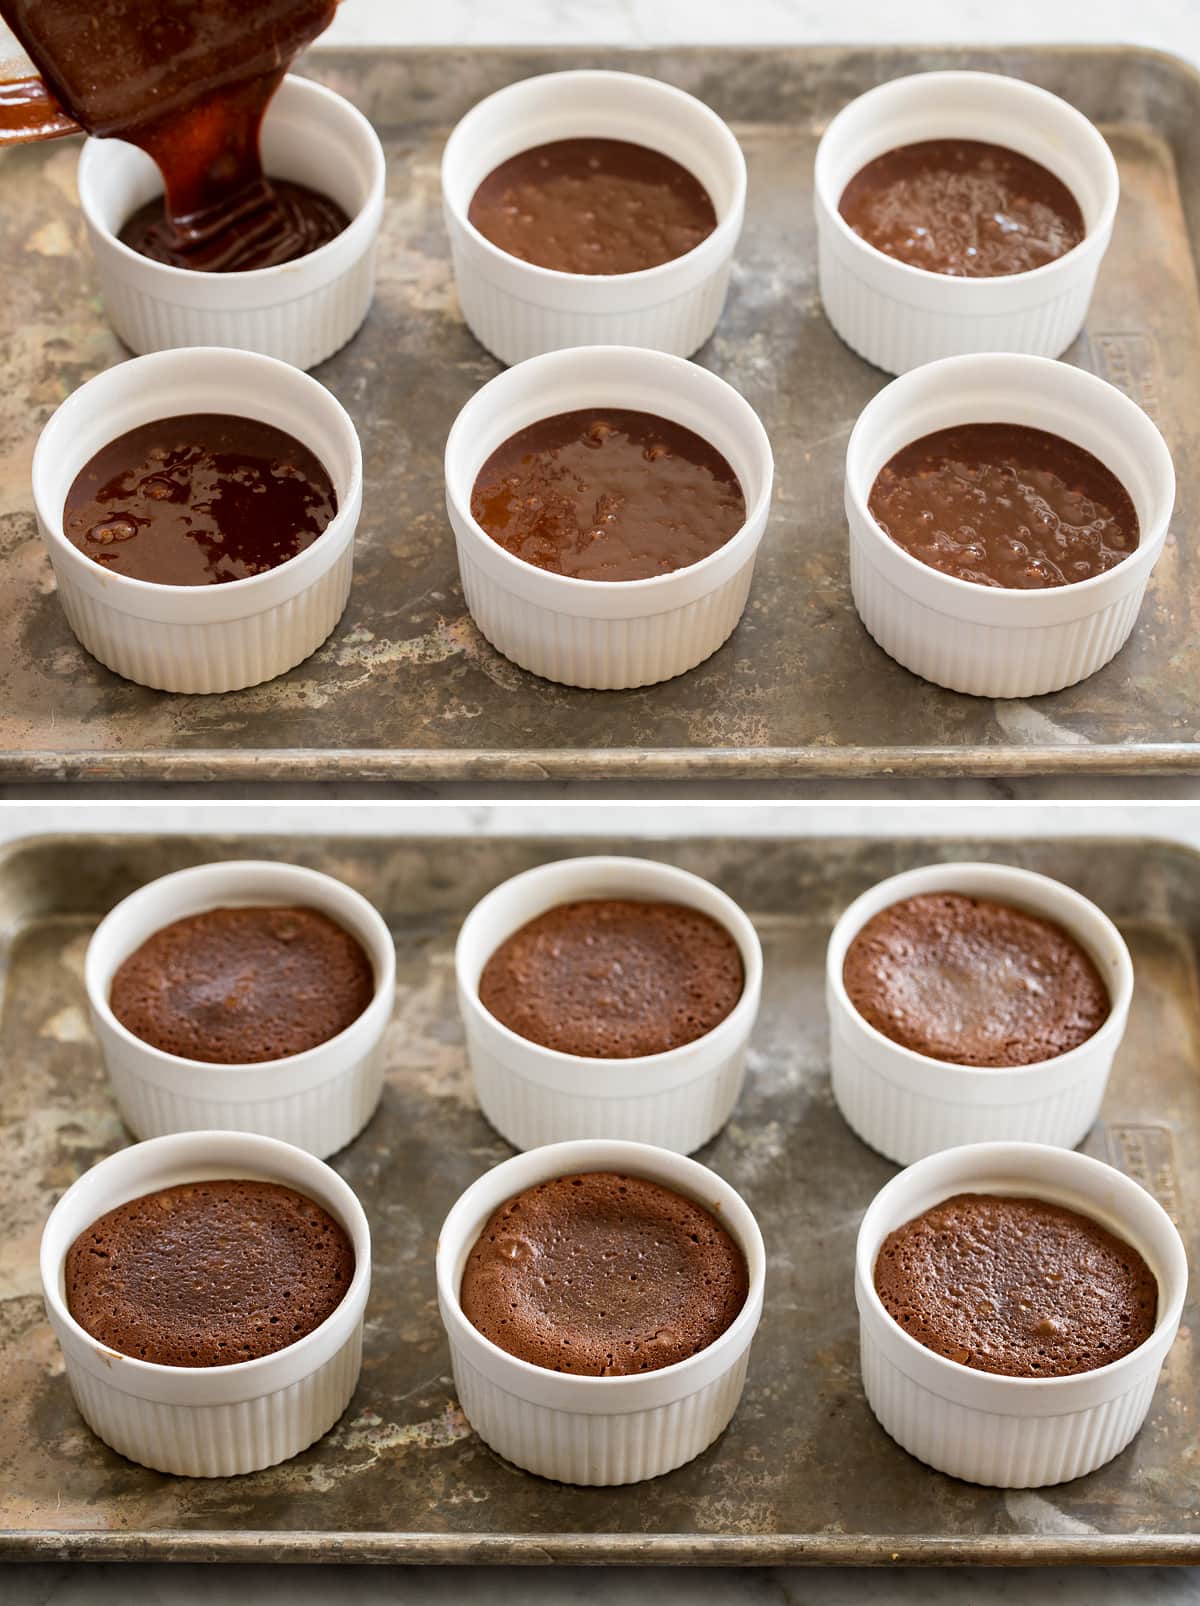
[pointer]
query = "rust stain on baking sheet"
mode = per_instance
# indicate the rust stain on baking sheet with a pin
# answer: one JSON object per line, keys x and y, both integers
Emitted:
{"x": 406, "y": 686}
{"x": 803, "y": 1469}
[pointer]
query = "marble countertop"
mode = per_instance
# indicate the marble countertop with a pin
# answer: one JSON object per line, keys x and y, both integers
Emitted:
{"x": 1178, "y": 822}
{"x": 186, "y": 1585}
{"x": 525, "y": 1586}
{"x": 1161, "y": 24}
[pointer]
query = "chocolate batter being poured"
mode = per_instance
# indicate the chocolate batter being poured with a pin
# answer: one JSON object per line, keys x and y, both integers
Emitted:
{"x": 188, "y": 81}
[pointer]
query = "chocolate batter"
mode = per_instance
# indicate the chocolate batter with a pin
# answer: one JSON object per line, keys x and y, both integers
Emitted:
{"x": 608, "y": 495}
{"x": 201, "y": 499}
{"x": 964, "y": 208}
{"x": 614, "y": 979}
{"x": 593, "y": 206}
{"x": 603, "y": 1275}
{"x": 239, "y": 986}
{"x": 1016, "y": 1286}
{"x": 973, "y": 982}
{"x": 188, "y": 81}
{"x": 208, "y": 1273}
{"x": 1002, "y": 505}
{"x": 292, "y": 222}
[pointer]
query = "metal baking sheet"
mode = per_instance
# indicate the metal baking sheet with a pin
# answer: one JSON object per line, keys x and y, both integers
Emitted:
{"x": 804, "y": 1473}
{"x": 407, "y": 690}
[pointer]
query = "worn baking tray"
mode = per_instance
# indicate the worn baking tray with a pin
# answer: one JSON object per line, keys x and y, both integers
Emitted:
{"x": 406, "y": 690}
{"x": 804, "y": 1473}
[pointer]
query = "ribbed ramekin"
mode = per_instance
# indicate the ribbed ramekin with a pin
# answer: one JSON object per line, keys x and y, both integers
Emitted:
{"x": 534, "y": 1095}
{"x": 596, "y": 1430}
{"x": 209, "y": 638}
{"x": 300, "y": 312}
{"x": 898, "y": 316}
{"x": 208, "y": 1421}
{"x": 519, "y": 310}
{"x": 317, "y": 1100}
{"x": 607, "y": 634}
{"x": 985, "y": 640}
{"x": 1014, "y": 1432}
{"x": 907, "y": 1105}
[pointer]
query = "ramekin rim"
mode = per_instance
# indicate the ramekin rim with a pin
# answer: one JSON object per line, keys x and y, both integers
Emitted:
{"x": 356, "y": 1223}
{"x": 1097, "y": 236}
{"x": 361, "y": 223}
{"x": 574, "y": 585}
{"x": 666, "y": 1059}
{"x": 348, "y": 510}
{"x": 1009, "y": 596}
{"x": 751, "y": 1245}
{"x": 1113, "y": 1023}
{"x": 1165, "y": 1319}
{"x": 176, "y": 1064}
{"x": 731, "y": 223}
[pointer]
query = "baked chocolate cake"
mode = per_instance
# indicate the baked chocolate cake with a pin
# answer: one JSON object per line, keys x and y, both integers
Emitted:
{"x": 208, "y": 1273}
{"x": 973, "y": 982}
{"x": 244, "y": 985}
{"x": 613, "y": 978}
{"x": 603, "y": 1275}
{"x": 1016, "y": 1286}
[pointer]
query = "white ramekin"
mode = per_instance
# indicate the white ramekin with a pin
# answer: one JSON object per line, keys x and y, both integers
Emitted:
{"x": 534, "y": 1095}
{"x": 317, "y": 1100}
{"x": 209, "y": 1421}
{"x": 607, "y": 634}
{"x": 518, "y": 310}
{"x": 596, "y": 1430}
{"x": 301, "y": 312}
{"x": 988, "y": 641}
{"x": 898, "y": 316}
{"x": 906, "y": 1105}
{"x": 208, "y": 638}
{"x": 1014, "y": 1432}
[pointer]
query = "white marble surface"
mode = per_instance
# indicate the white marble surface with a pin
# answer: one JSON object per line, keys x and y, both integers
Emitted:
{"x": 459, "y": 1586}
{"x": 1162, "y": 24}
{"x": 1175, "y": 821}
{"x": 54, "y": 1585}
